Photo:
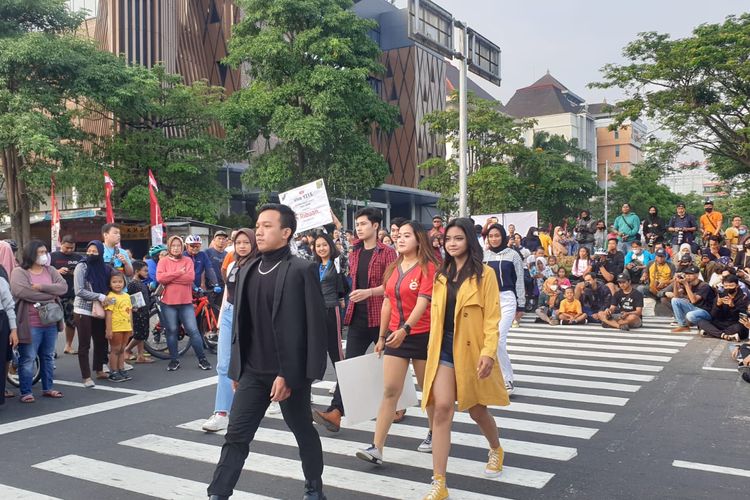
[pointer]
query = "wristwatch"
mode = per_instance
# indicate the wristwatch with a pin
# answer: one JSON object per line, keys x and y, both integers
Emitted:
{"x": 407, "y": 328}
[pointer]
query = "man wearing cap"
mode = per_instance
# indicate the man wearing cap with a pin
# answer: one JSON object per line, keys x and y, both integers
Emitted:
{"x": 626, "y": 309}
{"x": 658, "y": 276}
{"x": 217, "y": 252}
{"x": 711, "y": 221}
{"x": 682, "y": 226}
{"x": 637, "y": 260}
{"x": 692, "y": 300}
{"x": 437, "y": 226}
{"x": 608, "y": 265}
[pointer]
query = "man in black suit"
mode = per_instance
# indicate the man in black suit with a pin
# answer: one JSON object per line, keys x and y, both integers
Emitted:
{"x": 278, "y": 349}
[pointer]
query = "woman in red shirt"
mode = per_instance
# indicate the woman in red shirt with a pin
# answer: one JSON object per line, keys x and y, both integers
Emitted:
{"x": 404, "y": 328}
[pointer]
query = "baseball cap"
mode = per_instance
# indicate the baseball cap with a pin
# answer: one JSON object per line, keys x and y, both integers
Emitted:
{"x": 221, "y": 232}
{"x": 691, "y": 270}
{"x": 623, "y": 277}
{"x": 686, "y": 257}
{"x": 708, "y": 201}
{"x": 660, "y": 253}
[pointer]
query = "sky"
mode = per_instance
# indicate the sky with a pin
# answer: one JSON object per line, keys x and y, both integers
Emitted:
{"x": 574, "y": 39}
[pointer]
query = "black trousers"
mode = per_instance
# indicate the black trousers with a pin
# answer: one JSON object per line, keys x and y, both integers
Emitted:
{"x": 358, "y": 340}
{"x": 716, "y": 328}
{"x": 250, "y": 404}
{"x": 333, "y": 327}
{"x": 4, "y": 351}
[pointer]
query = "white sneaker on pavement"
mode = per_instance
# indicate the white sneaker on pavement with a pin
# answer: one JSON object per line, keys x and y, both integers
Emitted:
{"x": 509, "y": 387}
{"x": 273, "y": 409}
{"x": 127, "y": 367}
{"x": 216, "y": 423}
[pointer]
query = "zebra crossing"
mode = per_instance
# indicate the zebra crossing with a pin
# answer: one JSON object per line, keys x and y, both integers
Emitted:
{"x": 570, "y": 382}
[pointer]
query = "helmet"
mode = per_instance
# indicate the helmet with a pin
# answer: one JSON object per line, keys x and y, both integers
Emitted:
{"x": 156, "y": 250}
{"x": 193, "y": 239}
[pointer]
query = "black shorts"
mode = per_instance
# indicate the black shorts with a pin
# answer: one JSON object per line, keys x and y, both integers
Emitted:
{"x": 413, "y": 347}
{"x": 67, "y": 306}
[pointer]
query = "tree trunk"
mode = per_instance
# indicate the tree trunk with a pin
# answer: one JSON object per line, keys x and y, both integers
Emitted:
{"x": 19, "y": 207}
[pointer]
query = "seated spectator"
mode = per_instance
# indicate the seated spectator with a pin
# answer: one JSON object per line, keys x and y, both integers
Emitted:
{"x": 552, "y": 263}
{"x": 692, "y": 301}
{"x": 741, "y": 353}
{"x": 666, "y": 247}
{"x": 658, "y": 276}
{"x": 626, "y": 309}
{"x": 540, "y": 272}
{"x": 547, "y": 310}
{"x": 570, "y": 311}
{"x": 562, "y": 278}
{"x": 637, "y": 260}
{"x": 715, "y": 270}
{"x": 725, "y": 313}
{"x": 742, "y": 259}
{"x": 595, "y": 298}
{"x": 581, "y": 266}
{"x": 610, "y": 265}
{"x": 559, "y": 243}
{"x": 715, "y": 251}
{"x": 532, "y": 241}
{"x": 685, "y": 249}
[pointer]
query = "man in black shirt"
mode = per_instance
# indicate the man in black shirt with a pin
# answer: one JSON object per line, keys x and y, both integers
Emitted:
{"x": 627, "y": 306}
{"x": 595, "y": 298}
{"x": 65, "y": 261}
{"x": 730, "y": 302}
{"x": 610, "y": 265}
{"x": 278, "y": 349}
{"x": 692, "y": 299}
{"x": 682, "y": 226}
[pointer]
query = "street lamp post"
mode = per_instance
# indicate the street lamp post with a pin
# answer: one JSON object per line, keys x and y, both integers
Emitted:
{"x": 463, "y": 119}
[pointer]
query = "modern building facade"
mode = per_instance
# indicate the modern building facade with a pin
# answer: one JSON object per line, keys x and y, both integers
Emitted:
{"x": 621, "y": 149}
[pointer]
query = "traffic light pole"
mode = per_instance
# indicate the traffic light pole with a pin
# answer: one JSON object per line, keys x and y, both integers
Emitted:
{"x": 463, "y": 116}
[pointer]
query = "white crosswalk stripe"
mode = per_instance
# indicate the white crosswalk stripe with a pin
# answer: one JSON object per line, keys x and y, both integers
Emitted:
{"x": 570, "y": 381}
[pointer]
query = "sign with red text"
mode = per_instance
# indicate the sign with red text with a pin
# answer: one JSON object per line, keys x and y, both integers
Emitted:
{"x": 310, "y": 204}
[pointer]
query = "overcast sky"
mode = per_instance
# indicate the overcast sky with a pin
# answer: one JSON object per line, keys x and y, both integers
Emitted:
{"x": 575, "y": 38}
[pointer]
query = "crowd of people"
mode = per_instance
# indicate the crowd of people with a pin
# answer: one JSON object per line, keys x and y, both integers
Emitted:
{"x": 416, "y": 296}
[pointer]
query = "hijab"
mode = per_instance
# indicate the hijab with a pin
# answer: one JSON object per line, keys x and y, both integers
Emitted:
{"x": 169, "y": 245}
{"x": 253, "y": 252}
{"x": 7, "y": 258}
{"x": 97, "y": 272}
{"x": 503, "y": 238}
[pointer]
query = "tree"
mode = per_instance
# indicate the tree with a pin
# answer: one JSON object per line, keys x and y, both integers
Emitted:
{"x": 696, "y": 88}
{"x": 641, "y": 189}
{"x": 309, "y": 62}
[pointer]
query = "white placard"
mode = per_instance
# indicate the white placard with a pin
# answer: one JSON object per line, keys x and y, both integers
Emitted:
{"x": 361, "y": 383}
{"x": 310, "y": 203}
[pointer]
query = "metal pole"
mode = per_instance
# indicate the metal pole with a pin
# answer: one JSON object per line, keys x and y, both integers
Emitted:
{"x": 463, "y": 112}
{"x": 229, "y": 196}
{"x": 606, "y": 195}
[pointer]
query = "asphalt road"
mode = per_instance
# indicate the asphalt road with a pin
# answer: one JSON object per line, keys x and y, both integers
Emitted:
{"x": 597, "y": 414}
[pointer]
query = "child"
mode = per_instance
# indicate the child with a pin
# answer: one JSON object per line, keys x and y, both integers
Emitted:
{"x": 571, "y": 312}
{"x": 119, "y": 325}
{"x": 562, "y": 277}
{"x": 141, "y": 315}
{"x": 552, "y": 263}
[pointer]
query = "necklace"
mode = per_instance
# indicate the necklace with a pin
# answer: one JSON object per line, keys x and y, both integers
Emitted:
{"x": 270, "y": 270}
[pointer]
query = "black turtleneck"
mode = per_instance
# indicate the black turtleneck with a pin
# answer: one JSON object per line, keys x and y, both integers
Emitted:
{"x": 262, "y": 354}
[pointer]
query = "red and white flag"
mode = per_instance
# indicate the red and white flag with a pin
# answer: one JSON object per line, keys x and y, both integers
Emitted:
{"x": 55, "y": 219}
{"x": 108, "y": 186}
{"x": 157, "y": 223}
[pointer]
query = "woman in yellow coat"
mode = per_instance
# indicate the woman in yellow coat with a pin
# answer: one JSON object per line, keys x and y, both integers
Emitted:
{"x": 461, "y": 356}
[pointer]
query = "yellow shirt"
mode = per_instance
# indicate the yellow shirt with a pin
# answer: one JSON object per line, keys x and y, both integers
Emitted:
{"x": 732, "y": 235}
{"x": 121, "y": 318}
{"x": 661, "y": 273}
{"x": 711, "y": 223}
{"x": 546, "y": 241}
{"x": 571, "y": 307}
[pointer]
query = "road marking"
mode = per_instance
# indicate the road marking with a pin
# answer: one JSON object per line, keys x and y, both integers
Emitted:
{"x": 460, "y": 466}
{"x": 717, "y": 369}
{"x": 97, "y": 387}
{"x": 572, "y": 382}
{"x": 570, "y": 396}
{"x": 598, "y": 331}
{"x": 587, "y": 362}
{"x": 512, "y": 340}
{"x": 593, "y": 354}
{"x": 717, "y": 351}
{"x": 336, "y": 477}
{"x": 82, "y": 411}
{"x": 614, "y": 339}
{"x": 131, "y": 479}
{"x": 19, "y": 494}
{"x": 557, "y": 411}
{"x": 519, "y": 367}
{"x": 711, "y": 468}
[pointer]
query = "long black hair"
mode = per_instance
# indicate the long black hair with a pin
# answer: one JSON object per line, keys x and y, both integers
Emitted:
{"x": 333, "y": 251}
{"x": 473, "y": 265}
{"x": 28, "y": 258}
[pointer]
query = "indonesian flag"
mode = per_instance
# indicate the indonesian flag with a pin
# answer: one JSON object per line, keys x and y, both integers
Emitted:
{"x": 55, "y": 220}
{"x": 157, "y": 223}
{"x": 108, "y": 186}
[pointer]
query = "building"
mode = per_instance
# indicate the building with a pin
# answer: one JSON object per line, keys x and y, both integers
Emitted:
{"x": 695, "y": 178}
{"x": 621, "y": 149}
{"x": 557, "y": 111}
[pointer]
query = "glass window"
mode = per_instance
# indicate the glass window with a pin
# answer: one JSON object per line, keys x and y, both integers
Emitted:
{"x": 617, "y": 133}
{"x": 617, "y": 151}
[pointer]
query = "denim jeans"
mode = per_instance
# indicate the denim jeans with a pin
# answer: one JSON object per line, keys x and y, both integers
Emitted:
{"x": 224, "y": 391}
{"x": 685, "y": 311}
{"x": 43, "y": 339}
{"x": 173, "y": 316}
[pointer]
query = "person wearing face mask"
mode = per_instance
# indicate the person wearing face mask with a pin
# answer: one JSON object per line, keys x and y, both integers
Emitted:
{"x": 682, "y": 226}
{"x": 710, "y": 221}
{"x": 653, "y": 227}
{"x": 637, "y": 260}
{"x": 725, "y": 313}
{"x": 32, "y": 284}
{"x": 559, "y": 243}
{"x": 532, "y": 242}
{"x": 508, "y": 269}
{"x": 600, "y": 236}
{"x": 585, "y": 230}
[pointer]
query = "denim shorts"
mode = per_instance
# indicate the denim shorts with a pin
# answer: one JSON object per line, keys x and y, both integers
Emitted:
{"x": 446, "y": 350}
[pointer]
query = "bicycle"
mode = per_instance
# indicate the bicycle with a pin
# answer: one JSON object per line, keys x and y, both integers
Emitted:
{"x": 207, "y": 317}
{"x": 13, "y": 378}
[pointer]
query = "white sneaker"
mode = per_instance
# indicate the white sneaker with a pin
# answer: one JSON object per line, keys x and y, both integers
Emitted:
{"x": 127, "y": 367}
{"x": 370, "y": 454}
{"x": 515, "y": 324}
{"x": 216, "y": 423}
{"x": 273, "y": 409}
{"x": 509, "y": 388}
{"x": 332, "y": 390}
{"x": 426, "y": 445}
{"x": 105, "y": 368}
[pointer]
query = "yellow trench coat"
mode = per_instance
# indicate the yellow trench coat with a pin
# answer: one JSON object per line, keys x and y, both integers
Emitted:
{"x": 476, "y": 334}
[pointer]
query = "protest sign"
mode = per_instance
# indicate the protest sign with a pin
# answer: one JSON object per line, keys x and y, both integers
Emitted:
{"x": 310, "y": 203}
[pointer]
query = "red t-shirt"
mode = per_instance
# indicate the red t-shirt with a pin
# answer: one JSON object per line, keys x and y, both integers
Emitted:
{"x": 403, "y": 290}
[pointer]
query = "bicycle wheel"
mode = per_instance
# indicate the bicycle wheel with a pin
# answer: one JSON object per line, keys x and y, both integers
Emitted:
{"x": 13, "y": 378}
{"x": 156, "y": 343}
{"x": 208, "y": 324}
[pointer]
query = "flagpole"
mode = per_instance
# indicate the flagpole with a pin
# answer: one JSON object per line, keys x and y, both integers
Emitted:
{"x": 54, "y": 219}
{"x": 157, "y": 222}
{"x": 108, "y": 186}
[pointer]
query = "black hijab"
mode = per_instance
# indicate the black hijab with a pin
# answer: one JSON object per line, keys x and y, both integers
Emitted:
{"x": 503, "y": 238}
{"x": 97, "y": 272}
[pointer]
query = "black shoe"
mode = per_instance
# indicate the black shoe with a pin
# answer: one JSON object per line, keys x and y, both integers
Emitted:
{"x": 745, "y": 377}
{"x": 217, "y": 497}
{"x": 173, "y": 365}
{"x": 204, "y": 364}
{"x": 124, "y": 375}
{"x": 115, "y": 377}
{"x": 314, "y": 490}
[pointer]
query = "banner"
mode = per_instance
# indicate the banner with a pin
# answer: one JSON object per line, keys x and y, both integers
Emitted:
{"x": 54, "y": 219}
{"x": 310, "y": 204}
{"x": 157, "y": 223}
{"x": 522, "y": 220}
{"x": 108, "y": 186}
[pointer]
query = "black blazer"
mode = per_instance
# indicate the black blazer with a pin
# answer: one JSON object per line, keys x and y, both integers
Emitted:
{"x": 299, "y": 322}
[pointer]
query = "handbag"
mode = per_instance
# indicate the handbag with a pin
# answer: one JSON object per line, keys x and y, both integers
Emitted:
{"x": 97, "y": 310}
{"x": 49, "y": 312}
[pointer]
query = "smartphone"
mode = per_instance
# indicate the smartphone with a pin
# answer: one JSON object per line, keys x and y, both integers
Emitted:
{"x": 743, "y": 316}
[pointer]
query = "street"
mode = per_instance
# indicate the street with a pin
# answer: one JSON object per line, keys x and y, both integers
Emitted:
{"x": 596, "y": 414}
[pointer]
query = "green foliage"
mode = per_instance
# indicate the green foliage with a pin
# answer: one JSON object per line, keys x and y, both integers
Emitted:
{"x": 235, "y": 221}
{"x": 696, "y": 88}
{"x": 309, "y": 61}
